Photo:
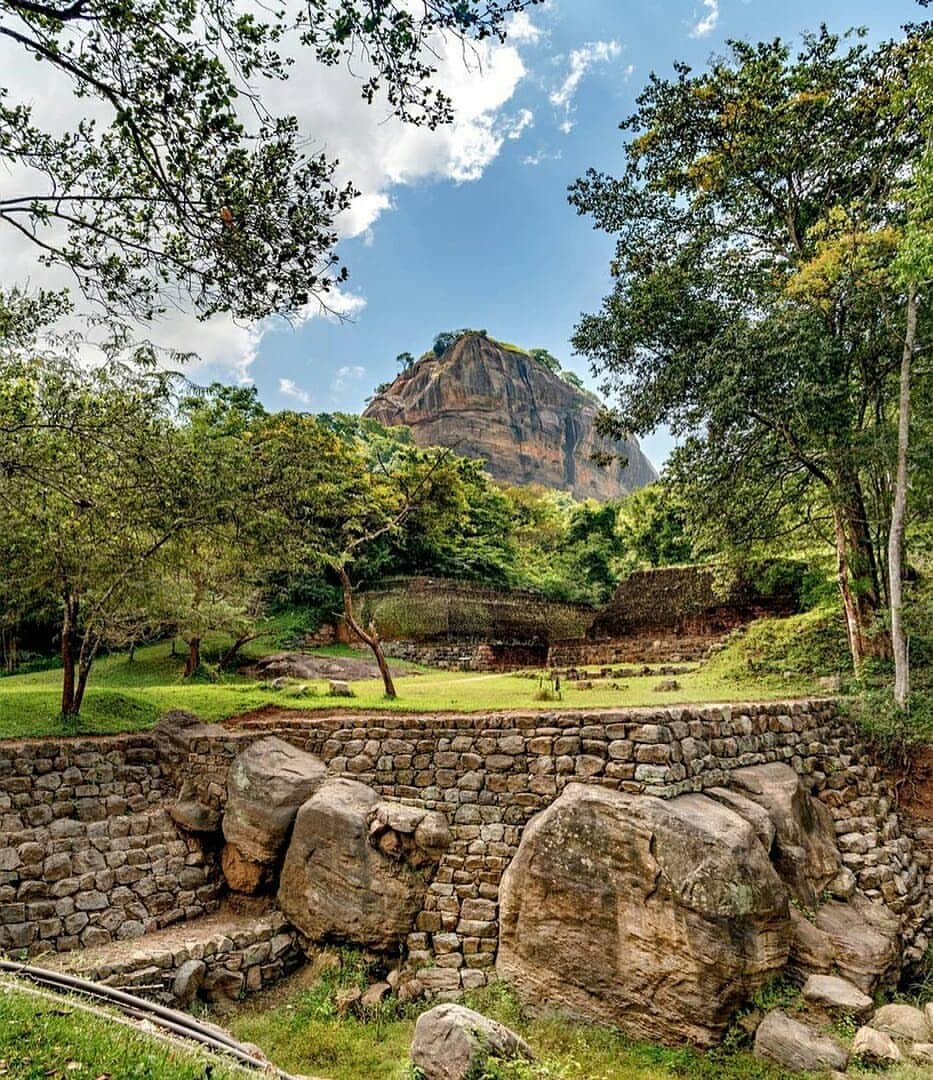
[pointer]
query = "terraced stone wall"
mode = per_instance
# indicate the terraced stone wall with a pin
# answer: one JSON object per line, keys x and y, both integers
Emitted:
{"x": 88, "y": 853}
{"x": 490, "y": 774}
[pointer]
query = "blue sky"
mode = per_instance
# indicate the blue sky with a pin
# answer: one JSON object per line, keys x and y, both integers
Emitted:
{"x": 504, "y": 250}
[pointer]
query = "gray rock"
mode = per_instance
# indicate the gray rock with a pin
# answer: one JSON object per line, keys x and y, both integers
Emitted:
{"x": 797, "y": 1046}
{"x": 267, "y": 783}
{"x": 805, "y": 852}
{"x": 875, "y": 1047}
{"x": 921, "y": 1052}
{"x": 865, "y": 938}
{"x": 339, "y": 688}
{"x": 837, "y": 995}
{"x": 193, "y": 816}
{"x": 658, "y": 916}
{"x": 188, "y": 981}
{"x": 902, "y": 1022}
{"x": 455, "y": 1043}
{"x": 337, "y": 885}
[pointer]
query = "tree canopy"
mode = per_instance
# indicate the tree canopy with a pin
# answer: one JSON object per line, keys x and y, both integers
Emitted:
{"x": 189, "y": 189}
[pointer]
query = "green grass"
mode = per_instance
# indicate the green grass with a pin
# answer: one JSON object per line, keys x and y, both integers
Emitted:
{"x": 130, "y": 696}
{"x": 42, "y": 1039}
{"x": 302, "y": 1032}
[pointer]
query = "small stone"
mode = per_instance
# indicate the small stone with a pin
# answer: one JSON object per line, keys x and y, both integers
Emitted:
{"x": 903, "y": 1022}
{"x": 921, "y": 1052}
{"x": 349, "y": 1001}
{"x": 875, "y": 1047}
{"x": 374, "y": 995}
{"x": 339, "y": 688}
{"x": 188, "y": 981}
{"x": 797, "y": 1046}
{"x": 453, "y": 1043}
{"x": 837, "y": 995}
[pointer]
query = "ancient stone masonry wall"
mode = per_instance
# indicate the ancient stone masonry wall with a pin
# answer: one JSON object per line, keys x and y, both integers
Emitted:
{"x": 87, "y": 852}
{"x": 468, "y": 656}
{"x": 220, "y": 964}
{"x": 490, "y": 774}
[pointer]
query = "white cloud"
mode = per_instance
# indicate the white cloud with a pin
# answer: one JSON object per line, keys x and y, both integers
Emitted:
{"x": 375, "y": 150}
{"x": 707, "y": 24}
{"x": 522, "y": 29}
{"x": 290, "y": 388}
{"x": 514, "y": 127}
{"x": 343, "y": 376}
{"x": 581, "y": 60}
{"x": 542, "y": 155}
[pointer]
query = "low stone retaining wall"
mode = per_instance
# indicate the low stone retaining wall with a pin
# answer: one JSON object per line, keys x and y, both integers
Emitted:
{"x": 216, "y": 962}
{"x": 87, "y": 853}
{"x": 637, "y": 650}
{"x": 490, "y": 774}
{"x": 469, "y": 656}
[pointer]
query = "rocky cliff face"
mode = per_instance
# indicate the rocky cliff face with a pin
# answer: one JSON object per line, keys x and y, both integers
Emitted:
{"x": 526, "y": 423}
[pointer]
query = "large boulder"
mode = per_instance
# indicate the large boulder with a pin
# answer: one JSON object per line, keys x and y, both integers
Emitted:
{"x": 865, "y": 938}
{"x": 455, "y": 1043}
{"x": 902, "y": 1022}
{"x": 660, "y": 917}
{"x": 797, "y": 1046}
{"x": 266, "y": 784}
{"x": 804, "y": 849}
{"x": 349, "y": 876}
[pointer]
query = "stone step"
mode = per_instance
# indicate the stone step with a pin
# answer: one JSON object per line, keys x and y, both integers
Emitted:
{"x": 218, "y": 958}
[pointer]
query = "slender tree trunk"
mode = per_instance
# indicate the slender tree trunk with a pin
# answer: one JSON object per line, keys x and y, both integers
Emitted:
{"x": 69, "y": 636}
{"x": 857, "y": 572}
{"x": 231, "y": 654}
{"x": 194, "y": 657}
{"x": 370, "y": 637}
{"x": 899, "y": 512}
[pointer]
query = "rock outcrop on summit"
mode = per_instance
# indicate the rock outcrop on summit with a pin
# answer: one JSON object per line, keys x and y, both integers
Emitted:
{"x": 487, "y": 401}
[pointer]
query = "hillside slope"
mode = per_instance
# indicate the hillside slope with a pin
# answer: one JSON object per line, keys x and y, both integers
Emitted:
{"x": 528, "y": 425}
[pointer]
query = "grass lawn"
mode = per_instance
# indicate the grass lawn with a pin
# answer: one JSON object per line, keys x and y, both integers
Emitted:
{"x": 299, "y": 1028}
{"x": 42, "y": 1039}
{"x": 130, "y": 696}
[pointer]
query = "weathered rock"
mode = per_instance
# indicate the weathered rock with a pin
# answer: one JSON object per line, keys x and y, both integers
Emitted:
{"x": 837, "y": 995}
{"x": 658, "y": 916}
{"x": 865, "y": 938}
{"x": 875, "y": 1047}
{"x": 374, "y": 995}
{"x": 797, "y": 1046}
{"x": 340, "y": 688}
{"x": 525, "y": 422}
{"x": 242, "y": 875}
{"x": 335, "y": 885}
{"x": 755, "y": 815}
{"x": 902, "y": 1022}
{"x": 266, "y": 784}
{"x": 455, "y": 1043}
{"x": 804, "y": 851}
{"x": 921, "y": 1051}
{"x": 811, "y": 950}
{"x": 411, "y": 833}
{"x": 188, "y": 980}
{"x": 190, "y": 814}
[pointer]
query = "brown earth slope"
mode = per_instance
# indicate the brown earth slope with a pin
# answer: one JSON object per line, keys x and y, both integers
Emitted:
{"x": 528, "y": 425}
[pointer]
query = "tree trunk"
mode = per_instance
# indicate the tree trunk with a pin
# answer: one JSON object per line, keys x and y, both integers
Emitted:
{"x": 70, "y": 704}
{"x": 899, "y": 512}
{"x": 857, "y": 572}
{"x": 231, "y": 654}
{"x": 370, "y": 638}
{"x": 194, "y": 657}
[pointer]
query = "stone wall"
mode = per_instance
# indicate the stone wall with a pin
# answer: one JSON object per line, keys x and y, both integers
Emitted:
{"x": 221, "y": 964}
{"x": 698, "y": 600}
{"x": 438, "y": 610}
{"x": 469, "y": 656}
{"x": 87, "y": 852}
{"x": 490, "y": 774}
{"x": 634, "y": 650}
{"x": 487, "y": 773}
